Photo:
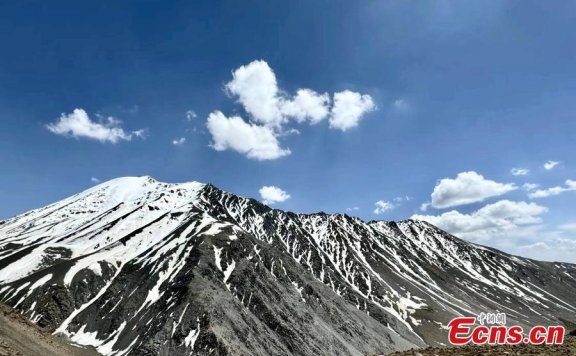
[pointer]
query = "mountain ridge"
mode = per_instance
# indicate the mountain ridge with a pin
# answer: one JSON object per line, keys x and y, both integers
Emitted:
{"x": 180, "y": 268}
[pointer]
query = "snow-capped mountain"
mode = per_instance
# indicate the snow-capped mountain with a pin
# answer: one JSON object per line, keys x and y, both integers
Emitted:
{"x": 135, "y": 266}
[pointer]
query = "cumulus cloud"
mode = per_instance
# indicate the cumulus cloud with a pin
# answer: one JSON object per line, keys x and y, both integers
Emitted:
{"x": 179, "y": 141}
{"x": 354, "y": 208}
{"x": 491, "y": 221}
{"x": 382, "y": 207}
{"x": 95, "y": 180}
{"x": 519, "y": 171}
{"x": 550, "y": 165}
{"x": 272, "y": 194}
{"x": 257, "y": 142}
{"x": 466, "y": 188}
{"x": 570, "y": 185}
{"x": 271, "y": 109}
{"x": 257, "y": 90}
{"x": 78, "y": 124}
{"x": 307, "y": 105}
{"x": 349, "y": 107}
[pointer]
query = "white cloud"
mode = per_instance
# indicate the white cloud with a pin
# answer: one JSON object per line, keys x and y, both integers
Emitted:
{"x": 489, "y": 222}
{"x": 562, "y": 243}
{"x": 79, "y": 125}
{"x": 554, "y": 248}
{"x": 139, "y": 133}
{"x": 568, "y": 227}
{"x": 272, "y": 194}
{"x": 256, "y": 142}
{"x": 404, "y": 198}
{"x": 382, "y": 207}
{"x": 354, "y": 208}
{"x": 288, "y": 132}
{"x": 191, "y": 115}
{"x": 536, "y": 246}
{"x": 349, "y": 107}
{"x": 466, "y": 188}
{"x": 179, "y": 141}
{"x": 257, "y": 90}
{"x": 519, "y": 171}
{"x": 530, "y": 186}
{"x": 307, "y": 104}
{"x": 544, "y": 193}
{"x": 550, "y": 165}
{"x": 95, "y": 180}
{"x": 271, "y": 109}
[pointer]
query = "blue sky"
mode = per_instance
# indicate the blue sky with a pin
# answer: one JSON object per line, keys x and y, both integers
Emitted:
{"x": 401, "y": 95}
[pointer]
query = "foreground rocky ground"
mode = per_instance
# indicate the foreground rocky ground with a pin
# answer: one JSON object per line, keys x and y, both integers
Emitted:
{"x": 20, "y": 337}
{"x": 567, "y": 349}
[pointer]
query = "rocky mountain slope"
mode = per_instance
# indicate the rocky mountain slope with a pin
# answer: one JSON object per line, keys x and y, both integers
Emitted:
{"x": 135, "y": 266}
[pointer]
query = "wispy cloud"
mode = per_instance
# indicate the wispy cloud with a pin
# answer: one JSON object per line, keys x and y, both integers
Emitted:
{"x": 530, "y": 186}
{"x": 519, "y": 171}
{"x": 179, "y": 141}
{"x": 191, "y": 115}
{"x": 570, "y": 185}
{"x": 400, "y": 105}
{"x": 401, "y": 199}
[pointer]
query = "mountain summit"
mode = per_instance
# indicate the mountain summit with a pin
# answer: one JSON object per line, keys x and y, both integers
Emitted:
{"x": 135, "y": 266}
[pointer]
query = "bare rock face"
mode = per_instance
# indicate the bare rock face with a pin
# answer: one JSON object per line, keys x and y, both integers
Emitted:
{"x": 148, "y": 268}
